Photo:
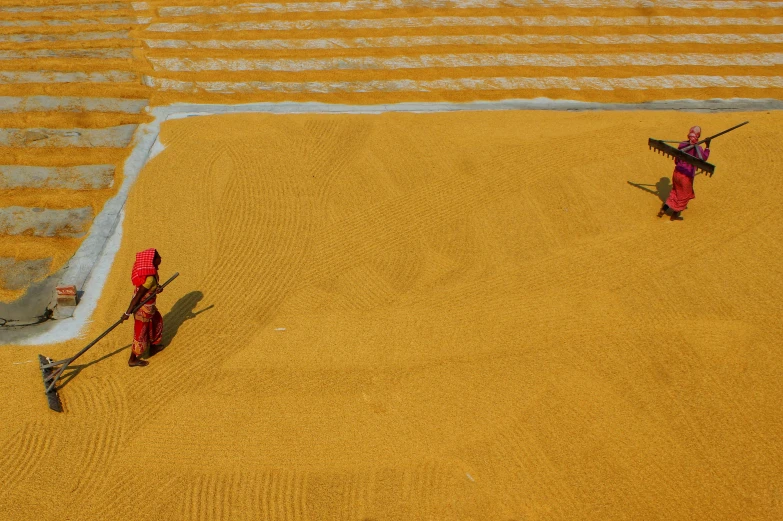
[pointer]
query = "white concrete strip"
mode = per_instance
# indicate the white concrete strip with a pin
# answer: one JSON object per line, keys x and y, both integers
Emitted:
{"x": 70, "y": 104}
{"x": 107, "y": 54}
{"x": 466, "y": 21}
{"x": 465, "y": 60}
{"x": 113, "y": 137}
{"x": 379, "y": 5}
{"x": 64, "y": 37}
{"x": 84, "y": 177}
{"x": 41, "y": 222}
{"x": 11, "y": 77}
{"x": 114, "y": 20}
{"x": 480, "y": 84}
{"x": 480, "y": 39}
{"x": 69, "y": 8}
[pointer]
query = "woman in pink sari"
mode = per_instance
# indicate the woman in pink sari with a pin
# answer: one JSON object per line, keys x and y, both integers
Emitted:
{"x": 682, "y": 178}
{"x": 148, "y": 324}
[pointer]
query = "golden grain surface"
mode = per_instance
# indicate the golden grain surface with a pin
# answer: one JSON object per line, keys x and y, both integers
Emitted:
{"x": 426, "y": 316}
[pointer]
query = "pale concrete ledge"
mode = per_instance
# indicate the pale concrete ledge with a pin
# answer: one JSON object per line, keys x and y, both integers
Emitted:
{"x": 40, "y": 222}
{"x": 19, "y": 274}
{"x": 58, "y": 37}
{"x": 113, "y": 137}
{"x": 85, "y": 177}
{"x": 113, "y": 6}
{"x": 14, "y": 77}
{"x": 70, "y": 104}
{"x": 37, "y": 54}
{"x": 112, "y": 20}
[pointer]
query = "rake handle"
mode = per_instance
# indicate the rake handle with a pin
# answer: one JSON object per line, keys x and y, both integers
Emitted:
{"x": 713, "y": 137}
{"x": 67, "y": 361}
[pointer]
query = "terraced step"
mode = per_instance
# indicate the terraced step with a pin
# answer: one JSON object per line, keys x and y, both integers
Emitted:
{"x": 21, "y": 77}
{"x": 111, "y": 20}
{"x": 37, "y": 54}
{"x": 17, "y": 274}
{"x": 42, "y": 222}
{"x": 113, "y": 137}
{"x": 383, "y": 5}
{"x": 68, "y": 8}
{"x": 505, "y": 40}
{"x": 10, "y": 104}
{"x": 84, "y": 177}
{"x": 64, "y": 37}
{"x": 465, "y": 60}
{"x": 464, "y": 21}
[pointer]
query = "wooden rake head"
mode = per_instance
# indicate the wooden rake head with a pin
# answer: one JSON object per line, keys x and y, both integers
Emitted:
{"x": 661, "y": 147}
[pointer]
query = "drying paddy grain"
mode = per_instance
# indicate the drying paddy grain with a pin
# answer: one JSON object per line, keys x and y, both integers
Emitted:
{"x": 426, "y": 316}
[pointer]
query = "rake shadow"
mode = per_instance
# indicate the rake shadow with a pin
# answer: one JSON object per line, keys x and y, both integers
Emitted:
{"x": 74, "y": 370}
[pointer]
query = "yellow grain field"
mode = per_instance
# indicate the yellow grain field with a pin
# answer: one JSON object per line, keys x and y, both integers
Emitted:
{"x": 427, "y": 316}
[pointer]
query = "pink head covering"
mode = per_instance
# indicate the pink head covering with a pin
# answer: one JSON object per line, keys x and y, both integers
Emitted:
{"x": 694, "y": 133}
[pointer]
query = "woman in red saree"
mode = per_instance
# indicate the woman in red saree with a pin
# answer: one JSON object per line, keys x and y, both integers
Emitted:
{"x": 148, "y": 324}
{"x": 682, "y": 178}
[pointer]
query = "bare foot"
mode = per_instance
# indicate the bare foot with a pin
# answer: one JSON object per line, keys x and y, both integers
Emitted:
{"x": 660, "y": 214}
{"x": 134, "y": 361}
{"x": 675, "y": 217}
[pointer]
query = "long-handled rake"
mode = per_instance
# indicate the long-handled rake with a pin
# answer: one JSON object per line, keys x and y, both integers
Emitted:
{"x": 52, "y": 371}
{"x": 661, "y": 146}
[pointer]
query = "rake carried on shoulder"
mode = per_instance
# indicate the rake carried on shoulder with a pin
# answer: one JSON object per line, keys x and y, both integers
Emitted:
{"x": 53, "y": 370}
{"x": 662, "y": 147}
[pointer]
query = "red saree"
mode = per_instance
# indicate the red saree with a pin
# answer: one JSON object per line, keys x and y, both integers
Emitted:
{"x": 682, "y": 191}
{"x": 147, "y": 328}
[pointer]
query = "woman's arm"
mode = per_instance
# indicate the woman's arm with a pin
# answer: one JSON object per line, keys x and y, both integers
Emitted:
{"x": 137, "y": 298}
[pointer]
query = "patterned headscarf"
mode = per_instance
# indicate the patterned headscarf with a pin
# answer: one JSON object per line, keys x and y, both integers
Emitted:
{"x": 694, "y": 130}
{"x": 144, "y": 266}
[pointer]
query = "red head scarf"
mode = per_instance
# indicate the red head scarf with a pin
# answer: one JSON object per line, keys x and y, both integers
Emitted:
{"x": 144, "y": 266}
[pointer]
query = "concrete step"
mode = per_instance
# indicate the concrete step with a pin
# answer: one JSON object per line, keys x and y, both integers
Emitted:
{"x": 18, "y": 274}
{"x": 504, "y": 40}
{"x": 440, "y": 22}
{"x": 503, "y": 83}
{"x": 68, "y": 8}
{"x": 37, "y": 54}
{"x": 111, "y": 20}
{"x": 64, "y": 37}
{"x": 84, "y": 177}
{"x": 114, "y": 76}
{"x": 113, "y": 137}
{"x": 427, "y": 61}
{"x": 384, "y": 5}
{"x": 42, "y": 222}
{"x": 12, "y": 104}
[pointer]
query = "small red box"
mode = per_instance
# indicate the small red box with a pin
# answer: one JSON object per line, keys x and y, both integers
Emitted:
{"x": 66, "y": 295}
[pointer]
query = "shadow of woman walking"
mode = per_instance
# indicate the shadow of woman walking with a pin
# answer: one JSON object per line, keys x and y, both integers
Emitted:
{"x": 181, "y": 312}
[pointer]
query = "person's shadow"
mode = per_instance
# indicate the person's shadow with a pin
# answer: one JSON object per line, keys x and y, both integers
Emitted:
{"x": 662, "y": 188}
{"x": 181, "y": 312}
